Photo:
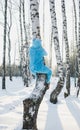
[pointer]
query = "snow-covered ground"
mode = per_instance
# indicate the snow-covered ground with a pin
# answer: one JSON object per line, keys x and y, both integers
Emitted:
{"x": 65, "y": 115}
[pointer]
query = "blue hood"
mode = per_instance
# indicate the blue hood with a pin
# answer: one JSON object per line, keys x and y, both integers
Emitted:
{"x": 36, "y": 43}
{"x": 36, "y": 54}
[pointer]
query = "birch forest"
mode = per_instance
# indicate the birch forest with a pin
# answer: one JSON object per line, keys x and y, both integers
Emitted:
{"x": 57, "y": 24}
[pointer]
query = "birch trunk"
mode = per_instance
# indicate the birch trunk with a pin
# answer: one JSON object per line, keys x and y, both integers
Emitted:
{"x": 75, "y": 17}
{"x": 57, "y": 90}
{"x": 21, "y": 36}
{"x": 4, "y": 46}
{"x": 34, "y": 9}
{"x": 31, "y": 104}
{"x": 51, "y": 46}
{"x": 26, "y": 72}
{"x": 22, "y": 55}
{"x": 9, "y": 40}
{"x": 66, "y": 48}
{"x": 78, "y": 49}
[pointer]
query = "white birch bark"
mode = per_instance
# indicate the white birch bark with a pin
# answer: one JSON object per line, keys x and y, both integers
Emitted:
{"x": 75, "y": 20}
{"x": 57, "y": 90}
{"x": 79, "y": 41}
{"x": 34, "y": 9}
{"x": 26, "y": 73}
{"x": 4, "y": 45}
{"x": 75, "y": 15}
{"x": 22, "y": 65}
{"x": 66, "y": 46}
{"x": 9, "y": 39}
{"x": 31, "y": 104}
{"x": 51, "y": 46}
{"x": 21, "y": 35}
{"x": 78, "y": 49}
{"x": 79, "y": 46}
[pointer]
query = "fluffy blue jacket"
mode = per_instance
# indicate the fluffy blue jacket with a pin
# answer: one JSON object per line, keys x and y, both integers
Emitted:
{"x": 36, "y": 54}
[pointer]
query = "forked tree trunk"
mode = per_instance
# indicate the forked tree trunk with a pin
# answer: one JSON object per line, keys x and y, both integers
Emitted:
{"x": 31, "y": 104}
{"x": 57, "y": 90}
{"x": 66, "y": 48}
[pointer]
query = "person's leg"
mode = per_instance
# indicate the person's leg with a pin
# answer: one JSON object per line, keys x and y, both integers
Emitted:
{"x": 48, "y": 77}
{"x": 48, "y": 72}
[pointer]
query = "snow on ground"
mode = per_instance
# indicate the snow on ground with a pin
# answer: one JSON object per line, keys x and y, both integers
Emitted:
{"x": 65, "y": 115}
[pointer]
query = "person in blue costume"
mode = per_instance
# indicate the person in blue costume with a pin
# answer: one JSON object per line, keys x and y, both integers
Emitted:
{"x": 36, "y": 55}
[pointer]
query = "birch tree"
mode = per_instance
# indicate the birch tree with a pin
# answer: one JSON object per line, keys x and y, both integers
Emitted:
{"x": 75, "y": 20}
{"x": 51, "y": 42}
{"x": 26, "y": 47}
{"x": 21, "y": 34}
{"x": 43, "y": 21}
{"x": 57, "y": 90}
{"x": 4, "y": 45}
{"x": 66, "y": 48}
{"x": 22, "y": 56}
{"x": 9, "y": 38}
{"x": 31, "y": 104}
{"x": 78, "y": 49}
{"x": 75, "y": 16}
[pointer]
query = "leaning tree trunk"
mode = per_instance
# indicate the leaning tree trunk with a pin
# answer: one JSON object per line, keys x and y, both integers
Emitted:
{"x": 66, "y": 48}
{"x": 78, "y": 47}
{"x": 57, "y": 90}
{"x": 31, "y": 104}
{"x": 4, "y": 46}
